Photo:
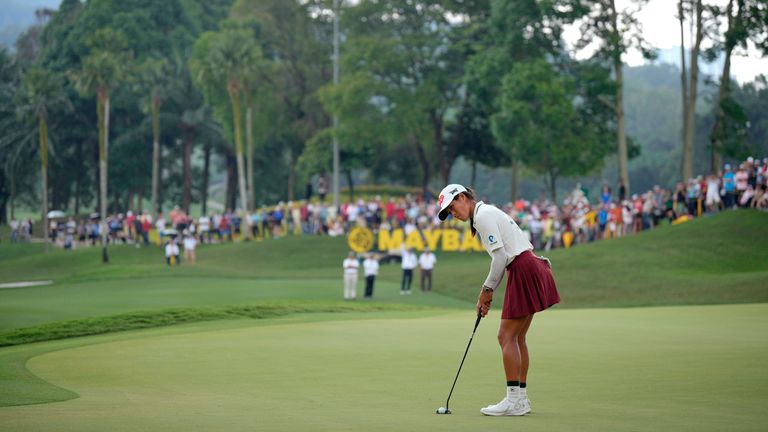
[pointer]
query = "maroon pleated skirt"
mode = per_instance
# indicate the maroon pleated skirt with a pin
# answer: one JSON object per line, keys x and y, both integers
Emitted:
{"x": 530, "y": 287}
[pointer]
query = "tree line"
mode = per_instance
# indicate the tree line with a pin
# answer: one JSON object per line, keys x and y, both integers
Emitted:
{"x": 111, "y": 103}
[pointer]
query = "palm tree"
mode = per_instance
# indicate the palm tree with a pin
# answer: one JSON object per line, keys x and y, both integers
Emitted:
{"x": 101, "y": 70}
{"x": 228, "y": 57}
{"x": 40, "y": 92}
{"x": 195, "y": 122}
{"x": 153, "y": 82}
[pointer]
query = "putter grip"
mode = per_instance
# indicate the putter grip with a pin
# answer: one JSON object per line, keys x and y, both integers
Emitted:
{"x": 477, "y": 322}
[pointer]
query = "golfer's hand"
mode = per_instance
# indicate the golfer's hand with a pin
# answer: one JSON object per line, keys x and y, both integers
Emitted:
{"x": 484, "y": 302}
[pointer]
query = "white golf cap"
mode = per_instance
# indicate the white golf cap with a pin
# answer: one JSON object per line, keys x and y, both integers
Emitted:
{"x": 447, "y": 195}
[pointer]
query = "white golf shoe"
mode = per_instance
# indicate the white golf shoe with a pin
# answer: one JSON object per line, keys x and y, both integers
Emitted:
{"x": 507, "y": 407}
{"x": 526, "y": 404}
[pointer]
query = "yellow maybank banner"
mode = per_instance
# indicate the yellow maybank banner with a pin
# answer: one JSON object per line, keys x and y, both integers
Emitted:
{"x": 447, "y": 239}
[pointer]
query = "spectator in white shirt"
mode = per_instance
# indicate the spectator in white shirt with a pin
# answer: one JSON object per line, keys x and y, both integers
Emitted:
{"x": 172, "y": 253}
{"x": 205, "y": 228}
{"x": 427, "y": 262}
{"x": 408, "y": 263}
{"x": 190, "y": 243}
{"x": 371, "y": 269}
{"x": 14, "y": 230}
{"x": 350, "y": 276}
{"x": 160, "y": 225}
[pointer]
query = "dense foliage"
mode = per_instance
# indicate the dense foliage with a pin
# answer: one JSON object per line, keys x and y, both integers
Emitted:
{"x": 230, "y": 102}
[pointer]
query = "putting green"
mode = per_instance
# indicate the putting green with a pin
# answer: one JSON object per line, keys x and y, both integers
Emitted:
{"x": 673, "y": 368}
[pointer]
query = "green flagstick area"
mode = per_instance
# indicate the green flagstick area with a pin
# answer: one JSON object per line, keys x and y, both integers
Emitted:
{"x": 659, "y": 331}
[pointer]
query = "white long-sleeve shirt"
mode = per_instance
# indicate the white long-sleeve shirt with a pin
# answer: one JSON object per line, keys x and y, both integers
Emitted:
{"x": 350, "y": 266}
{"x": 370, "y": 267}
{"x": 502, "y": 238}
{"x": 409, "y": 260}
{"x": 427, "y": 261}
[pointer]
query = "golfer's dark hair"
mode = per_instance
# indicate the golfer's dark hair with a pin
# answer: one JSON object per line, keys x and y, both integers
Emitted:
{"x": 470, "y": 193}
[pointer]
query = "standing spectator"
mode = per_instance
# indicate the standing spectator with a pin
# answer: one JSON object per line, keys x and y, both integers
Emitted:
{"x": 713, "y": 193}
{"x": 172, "y": 253}
{"x": 309, "y": 190}
{"x": 160, "y": 226}
{"x": 371, "y": 270}
{"x": 52, "y": 229}
{"x": 69, "y": 237}
{"x": 94, "y": 231}
{"x": 729, "y": 187}
{"x": 190, "y": 243}
{"x": 205, "y": 228}
{"x": 322, "y": 187}
{"x": 30, "y": 231}
{"x": 615, "y": 220}
{"x": 350, "y": 276}
{"x": 746, "y": 198}
{"x": 627, "y": 217}
{"x": 408, "y": 263}
{"x": 14, "y": 230}
{"x": 605, "y": 195}
{"x": 742, "y": 180}
{"x": 659, "y": 196}
{"x": 146, "y": 226}
{"x": 602, "y": 222}
{"x": 427, "y": 262}
{"x": 138, "y": 230}
{"x": 81, "y": 233}
{"x": 133, "y": 233}
{"x": 692, "y": 196}
{"x": 679, "y": 198}
{"x": 622, "y": 191}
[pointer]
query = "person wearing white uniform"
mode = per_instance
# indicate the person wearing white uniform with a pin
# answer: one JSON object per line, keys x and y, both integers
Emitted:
{"x": 172, "y": 253}
{"x": 427, "y": 262}
{"x": 190, "y": 243}
{"x": 408, "y": 263}
{"x": 350, "y": 276}
{"x": 370, "y": 269}
{"x": 530, "y": 287}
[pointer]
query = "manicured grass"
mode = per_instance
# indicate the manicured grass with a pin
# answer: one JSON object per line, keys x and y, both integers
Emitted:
{"x": 25, "y": 307}
{"x": 698, "y": 368}
{"x": 167, "y": 317}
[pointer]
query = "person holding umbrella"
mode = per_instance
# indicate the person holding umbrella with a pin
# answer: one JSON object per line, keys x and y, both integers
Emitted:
{"x": 530, "y": 287}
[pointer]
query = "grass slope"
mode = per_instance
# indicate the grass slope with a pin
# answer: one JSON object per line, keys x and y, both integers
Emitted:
{"x": 713, "y": 260}
{"x": 604, "y": 369}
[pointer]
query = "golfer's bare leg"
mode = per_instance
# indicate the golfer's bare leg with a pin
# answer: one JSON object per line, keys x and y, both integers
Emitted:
{"x": 509, "y": 331}
{"x": 524, "y": 349}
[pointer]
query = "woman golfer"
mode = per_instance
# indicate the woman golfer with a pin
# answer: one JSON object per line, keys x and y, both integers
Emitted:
{"x": 530, "y": 287}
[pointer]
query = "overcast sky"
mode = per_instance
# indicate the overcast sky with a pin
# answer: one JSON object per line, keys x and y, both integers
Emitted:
{"x": 662, "y": 29}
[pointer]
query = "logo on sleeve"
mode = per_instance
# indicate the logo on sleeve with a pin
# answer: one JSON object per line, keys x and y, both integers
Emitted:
{"x": 491, "y": 240}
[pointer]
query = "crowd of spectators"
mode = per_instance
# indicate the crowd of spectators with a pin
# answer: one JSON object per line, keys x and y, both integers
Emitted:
{"x": 581, "y": 218}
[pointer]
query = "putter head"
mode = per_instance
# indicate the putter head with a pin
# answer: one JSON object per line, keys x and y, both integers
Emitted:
{"x": 443, "y": 410}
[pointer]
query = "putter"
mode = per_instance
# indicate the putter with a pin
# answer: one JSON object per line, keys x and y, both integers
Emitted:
{"x": 445, "y": 410}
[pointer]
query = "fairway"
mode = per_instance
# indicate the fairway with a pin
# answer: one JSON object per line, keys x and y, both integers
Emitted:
{"x": 611, "y": 369}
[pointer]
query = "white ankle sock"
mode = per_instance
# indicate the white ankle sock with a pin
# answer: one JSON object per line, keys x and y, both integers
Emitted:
{"x": 513, "y": 392}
